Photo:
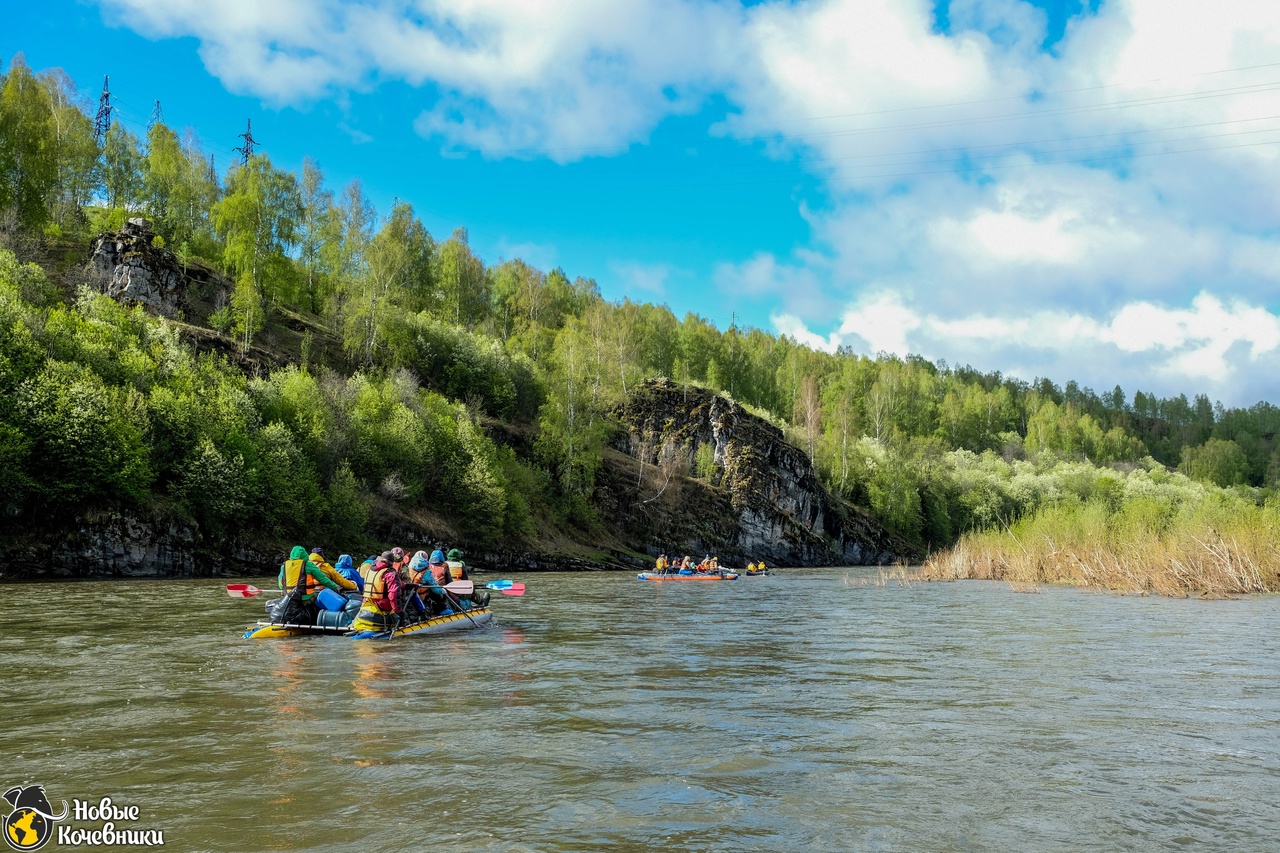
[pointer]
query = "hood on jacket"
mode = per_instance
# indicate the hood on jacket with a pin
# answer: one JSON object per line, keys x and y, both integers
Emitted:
{"x": 298, "y": 553}
{"x": 344, "y": 562}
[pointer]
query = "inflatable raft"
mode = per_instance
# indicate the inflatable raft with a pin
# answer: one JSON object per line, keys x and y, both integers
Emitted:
{"x": 337, "y": 613}
{"x": 473, "y": 618}
{"x": 695, "y": 576}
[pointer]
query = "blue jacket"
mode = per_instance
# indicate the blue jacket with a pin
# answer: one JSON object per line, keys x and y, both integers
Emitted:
{"x": 348, "y": 571}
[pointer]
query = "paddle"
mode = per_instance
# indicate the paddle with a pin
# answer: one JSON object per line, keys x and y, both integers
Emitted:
{"x": 243, "y": 590}
{"x": 458, "y": 604}
{"x": 506, "y": 587}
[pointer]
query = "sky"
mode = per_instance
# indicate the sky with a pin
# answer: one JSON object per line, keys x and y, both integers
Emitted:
{"x": 1070, "y": 189}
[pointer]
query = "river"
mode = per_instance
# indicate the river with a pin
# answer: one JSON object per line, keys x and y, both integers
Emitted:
{"x": 815, "y": 710}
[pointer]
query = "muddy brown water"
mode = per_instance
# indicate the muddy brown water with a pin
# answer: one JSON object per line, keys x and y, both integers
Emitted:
{"x": 815, "y": 710}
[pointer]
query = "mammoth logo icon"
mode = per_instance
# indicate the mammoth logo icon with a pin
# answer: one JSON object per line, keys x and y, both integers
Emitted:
{"x": 30, "y": 825}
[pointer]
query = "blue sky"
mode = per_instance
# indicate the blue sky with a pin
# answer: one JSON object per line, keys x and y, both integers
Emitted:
{"x": 1082, "y": 189}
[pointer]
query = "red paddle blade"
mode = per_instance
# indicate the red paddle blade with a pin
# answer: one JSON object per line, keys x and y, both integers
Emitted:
{"x": 242, "y": 590}
{"x": 516, "y": 589}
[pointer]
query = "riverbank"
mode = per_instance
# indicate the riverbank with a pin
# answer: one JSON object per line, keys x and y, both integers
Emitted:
{"x": 1214, "y": 549}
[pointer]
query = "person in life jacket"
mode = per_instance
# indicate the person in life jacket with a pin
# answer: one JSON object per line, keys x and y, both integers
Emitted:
{"x": 346, "y": 567}
{"x": 382, "y": 604}
{"x": 366, "y": 570}
{"x": 661, "y": 564}
{"x": 418, "y": 568}
{"x": 303, "y": 578}
{"x": 317, "y": 557}
{"x": 458, "y": 572}
{"x": 433, "y": 576}
{"x": 438, "y": 569}
{"x": 457, "y": 568}
{"x": 419, "y": 578}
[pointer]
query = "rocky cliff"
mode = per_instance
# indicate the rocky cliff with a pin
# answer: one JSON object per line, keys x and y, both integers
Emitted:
{"x": 707, "y": 476}
{"x": 112, "y": 544}
{"x": 137, "y": 272}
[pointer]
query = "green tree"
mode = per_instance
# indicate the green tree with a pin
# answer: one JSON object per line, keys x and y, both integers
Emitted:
{"x": 28, "y": 146}
{"x": 258, "y": 217}
{"x": 348, "y": 229}
{"x": 1220, "y": 462}
{"x": 122, "y": 161}
{"x": 397, "y": 281}
{"x": 314, "y": 228}
{"x": 464, "y": 287}
{"x": 78, "y": 170}
{"x": 572, "y": 431}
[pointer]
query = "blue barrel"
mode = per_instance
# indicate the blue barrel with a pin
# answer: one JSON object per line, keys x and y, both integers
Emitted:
{"x": 330, "y": 600}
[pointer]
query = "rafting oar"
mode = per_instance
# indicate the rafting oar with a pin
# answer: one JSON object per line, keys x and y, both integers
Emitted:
{"x": 243, "y": 590}
{"x": 461, "y": 588}
{"x": 514, "y": 589}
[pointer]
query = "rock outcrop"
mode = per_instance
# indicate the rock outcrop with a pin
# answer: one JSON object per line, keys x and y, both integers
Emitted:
{"x": 136, "y": 271}
{"x": 125, "y": 546}
{"x": 758, "y": 498}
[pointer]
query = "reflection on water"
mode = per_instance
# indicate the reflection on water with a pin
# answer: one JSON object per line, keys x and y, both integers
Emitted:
{"x": 798, "y": 712}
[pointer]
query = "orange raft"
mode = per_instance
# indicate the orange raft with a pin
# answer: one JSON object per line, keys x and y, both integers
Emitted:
{"x": 692, "y": 576}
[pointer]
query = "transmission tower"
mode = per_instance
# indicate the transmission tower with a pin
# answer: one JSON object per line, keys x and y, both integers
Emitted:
{"x": 246, "y": 150}
{"x": 213, "y": 174}
{"x": 102, "y": 123}
{"x": 157, "y": 117}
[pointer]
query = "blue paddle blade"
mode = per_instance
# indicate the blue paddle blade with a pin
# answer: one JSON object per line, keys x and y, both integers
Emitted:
{"x": 499, "y": 585}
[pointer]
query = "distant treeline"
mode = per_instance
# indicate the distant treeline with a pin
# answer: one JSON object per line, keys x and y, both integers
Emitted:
{"x": 434, "y": 345}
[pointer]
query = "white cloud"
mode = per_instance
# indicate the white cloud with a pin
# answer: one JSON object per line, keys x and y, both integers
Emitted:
{"x": 1172, "y": 345}
{"x": 883, "y": 322}
{"x": 1046, "y": 207}
{"x": 566, "y": 78}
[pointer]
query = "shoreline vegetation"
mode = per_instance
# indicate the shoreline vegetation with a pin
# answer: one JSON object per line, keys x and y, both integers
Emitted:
{"x": 1214, "y": 548}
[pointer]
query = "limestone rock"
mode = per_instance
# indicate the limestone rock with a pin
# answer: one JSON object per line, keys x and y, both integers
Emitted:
{"x": 137, "y": 272}
{"x": 766, "y": 503}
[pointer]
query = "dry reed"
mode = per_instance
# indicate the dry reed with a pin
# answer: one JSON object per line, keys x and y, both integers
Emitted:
{"x": 1218, "y": 551}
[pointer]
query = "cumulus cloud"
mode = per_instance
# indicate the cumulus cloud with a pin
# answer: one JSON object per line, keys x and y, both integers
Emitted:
{"x": 1142, "y": 345}
{"x": 561, "y": 78}
{"x": 1110, "y": 203}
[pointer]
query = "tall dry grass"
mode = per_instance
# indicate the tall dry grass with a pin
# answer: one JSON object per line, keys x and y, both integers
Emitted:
{"x": 1215, "y": 547}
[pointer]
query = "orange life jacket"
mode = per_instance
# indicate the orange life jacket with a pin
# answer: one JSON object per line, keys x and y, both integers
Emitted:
{"x": 377, "y": 593}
